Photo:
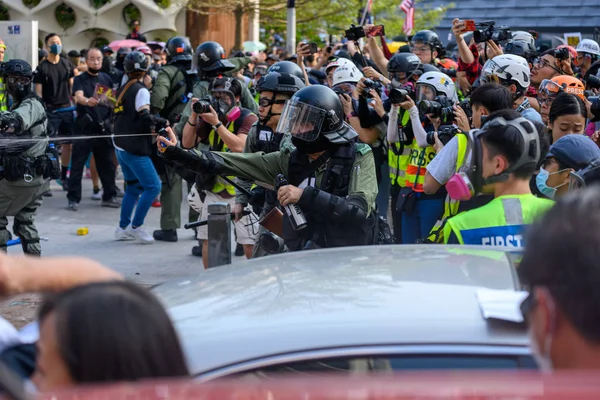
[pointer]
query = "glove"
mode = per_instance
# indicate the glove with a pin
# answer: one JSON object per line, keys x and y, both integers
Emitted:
{"x": 10, "y": 123}
{"x": 207, "y": 162}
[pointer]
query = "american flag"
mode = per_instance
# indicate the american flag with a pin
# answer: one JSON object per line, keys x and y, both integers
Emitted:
{"x": 408, "y": 6}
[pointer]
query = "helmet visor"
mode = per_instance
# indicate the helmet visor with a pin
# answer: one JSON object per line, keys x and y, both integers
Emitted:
{"x": 550, "y": 88}
{"x": 425, "y": 91}
{"x": 576, "y": 181}
{"x": 301, "y": 120}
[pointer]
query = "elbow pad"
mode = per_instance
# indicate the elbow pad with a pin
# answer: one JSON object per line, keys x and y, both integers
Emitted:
{"x": 350, "y": 209}
{"x": 206, "y": 162}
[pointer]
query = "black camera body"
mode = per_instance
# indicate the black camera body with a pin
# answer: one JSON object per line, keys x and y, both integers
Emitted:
{"x": 488, "y": 30}
{"x": 399, "y": 95}
{"x": 355, "y": 33}
{"x": 561, "y": 54}
{"x": 592, "y": 82}
{"x": 445, "y": 134}
{"x": 203, "y": 106}
{"x": 370, "y": 84}
{"x": 441, "y": 107}
{"x": 466, "y": 106}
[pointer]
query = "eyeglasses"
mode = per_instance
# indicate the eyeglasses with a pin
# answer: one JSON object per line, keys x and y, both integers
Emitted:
{"x": 266, "y": 102}
{"x": 420, "y": 49}
{"x": 23, "y": 80}
{"x": 542, "y": 63}
{"x": 547, "y": 101}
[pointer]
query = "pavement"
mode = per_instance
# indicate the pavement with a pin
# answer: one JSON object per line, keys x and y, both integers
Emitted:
{"x": 144, "y": 264}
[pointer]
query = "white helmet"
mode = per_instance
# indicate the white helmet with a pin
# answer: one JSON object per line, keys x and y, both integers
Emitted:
{"x": 441, "y": 82}
{"x": 348, "y": 73}
{"x": 194, "y": 200}
{"x": 588, "y": 46}
{"x": 507, "y": 69}
{"x": 338, "y": 63}
{"x": 523, "y": 36}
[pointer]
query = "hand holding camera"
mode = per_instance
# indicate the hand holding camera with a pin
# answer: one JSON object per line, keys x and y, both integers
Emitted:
{"x": 205, "y": 110}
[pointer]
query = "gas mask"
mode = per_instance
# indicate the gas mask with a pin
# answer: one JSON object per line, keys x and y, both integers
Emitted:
{"x": 469, "y": 182}
{"x": 18, "y": 86}
{"x": 226, "y": 109}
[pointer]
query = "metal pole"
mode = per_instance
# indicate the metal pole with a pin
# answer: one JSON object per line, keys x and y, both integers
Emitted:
{"x": 291, "y": 26}
{"x": 219, "y": 234}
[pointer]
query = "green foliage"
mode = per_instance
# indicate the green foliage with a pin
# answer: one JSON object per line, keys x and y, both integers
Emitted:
{"x": 99, "y": 3}
{"x": 163, "y": 3}
{"x": 131, "y": 13}
{"x": 65, "y": 16}
{"x": 99, "y": 42}
{"x": 31, "y": 3}
{"x": 4, "y": 13}
{"x": 388, "y": 13}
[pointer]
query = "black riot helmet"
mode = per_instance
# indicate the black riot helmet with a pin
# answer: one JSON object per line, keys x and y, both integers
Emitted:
{"x": 178, "y": 49}
{"x": 210, "y": 57}
{"x": 17, "y": 76}
{"x": 428, "y": 37}
{"x": 135, "y": 61}
{"x": 287, "y": 67}
{"x": 315, "y": 111}
{"x": 283, "y": 83}
{"x": 402, "y": 66}
{"x": 520, "y": 48}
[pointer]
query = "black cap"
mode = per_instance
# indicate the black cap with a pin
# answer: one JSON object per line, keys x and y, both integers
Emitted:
{"x": 106, "y": 49}
{"x": 575, "y": 151}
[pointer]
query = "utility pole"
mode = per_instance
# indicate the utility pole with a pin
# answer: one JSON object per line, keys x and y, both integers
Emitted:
{"x": 291, "y": 27}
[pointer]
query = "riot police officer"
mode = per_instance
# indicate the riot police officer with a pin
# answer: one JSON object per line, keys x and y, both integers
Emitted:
{"x": 331, "y": 178}
{"x": 26, "y": 165}
{"x": 171, "y": 91}
{"x": 274, "y": 90}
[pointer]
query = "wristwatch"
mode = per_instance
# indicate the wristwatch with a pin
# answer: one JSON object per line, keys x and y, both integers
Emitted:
{"x": 217, "y": 126}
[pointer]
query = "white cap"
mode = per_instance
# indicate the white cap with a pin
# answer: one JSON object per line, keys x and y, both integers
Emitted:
{"x": 588, "y": 46}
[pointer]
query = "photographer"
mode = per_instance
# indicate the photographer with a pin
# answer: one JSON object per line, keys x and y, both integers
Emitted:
{"x": 587, "y": 54}
{"x": 453, "y": 157}
{"x": 436, "y": 95}
{"x": 427, "y": 46}
{"x": 505, "y": 155}
{"x": 551, "y": 63}
{"x": 220, "y": 124}
{"x": 513, "y": 72}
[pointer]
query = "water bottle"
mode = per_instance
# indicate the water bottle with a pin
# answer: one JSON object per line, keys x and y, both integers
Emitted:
{"x": 293, "y": 212}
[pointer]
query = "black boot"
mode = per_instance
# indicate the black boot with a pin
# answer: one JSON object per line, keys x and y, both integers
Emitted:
{"x": 239, "y": 250}
{"x": 197, "y": 251}
{"x": 165, "y": 235}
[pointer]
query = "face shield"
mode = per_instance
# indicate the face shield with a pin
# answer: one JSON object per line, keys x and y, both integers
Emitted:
{"x": 301, "y": 120}
{"x": 425, "y": 91}
{"x": 344, "y": 88}
{"x": 488, "y": 73}
{"x": 550, "y": 88}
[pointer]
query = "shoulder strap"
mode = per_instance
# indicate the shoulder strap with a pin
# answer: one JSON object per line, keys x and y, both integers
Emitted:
{"x": 129, "y": 84}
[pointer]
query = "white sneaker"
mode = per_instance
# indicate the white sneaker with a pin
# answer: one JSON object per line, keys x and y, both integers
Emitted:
{"x": 123, "y": 234}
{"x": 97, "y": 195}
{"x": 140, "y": 234}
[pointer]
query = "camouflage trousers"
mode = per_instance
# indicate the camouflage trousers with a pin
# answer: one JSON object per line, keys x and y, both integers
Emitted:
{"x": 21, "y": 200}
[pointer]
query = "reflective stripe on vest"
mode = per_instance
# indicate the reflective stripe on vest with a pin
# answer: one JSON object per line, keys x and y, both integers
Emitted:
{"x": 436, "y": 235}
{"x": 499, "y": 223}
{"x": 217, "y": 144}
{"x": 398, "y": 162}
{"x": 417, "y": 166}
{"x": 3, "y": 97}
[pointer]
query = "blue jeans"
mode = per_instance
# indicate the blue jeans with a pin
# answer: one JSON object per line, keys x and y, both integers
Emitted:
{"x": 141, "y": 178}
{"x": 418, "y": 223}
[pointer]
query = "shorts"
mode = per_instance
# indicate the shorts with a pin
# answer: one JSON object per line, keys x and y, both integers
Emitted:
{"x": 246, "y": 228}
{"x": 63, "y": 124}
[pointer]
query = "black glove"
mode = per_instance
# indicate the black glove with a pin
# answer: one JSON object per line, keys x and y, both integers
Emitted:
{"x": 207, "y": 162}
{"x": 257, "y": 200}
{"x": 10, "y": 123}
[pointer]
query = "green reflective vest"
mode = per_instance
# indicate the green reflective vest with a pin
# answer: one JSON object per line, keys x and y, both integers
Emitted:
{"x": 3, "y": 96}
{"x": 501, "y": 222}
{"x": 398, "y": 155}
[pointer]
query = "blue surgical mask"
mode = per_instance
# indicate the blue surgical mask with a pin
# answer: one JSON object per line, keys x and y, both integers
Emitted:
{"x": 541, "y": 181}
{"x": 56, "y": 49}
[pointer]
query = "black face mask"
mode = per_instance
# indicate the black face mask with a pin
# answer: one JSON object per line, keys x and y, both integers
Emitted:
{"x": 316, "y": 146}
{"x": 106, "y": 64}
{"x": 93, "y": 71}
{"x": 18, "y": 90}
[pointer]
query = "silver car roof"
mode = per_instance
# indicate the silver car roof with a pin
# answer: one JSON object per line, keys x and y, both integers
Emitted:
{"x": 344, "y": 297}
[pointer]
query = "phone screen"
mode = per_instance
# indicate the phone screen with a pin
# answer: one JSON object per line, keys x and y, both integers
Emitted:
{"x": 470, "y": 25}
{"x": 313, "y": 48}
{"x": 377, "y": 30}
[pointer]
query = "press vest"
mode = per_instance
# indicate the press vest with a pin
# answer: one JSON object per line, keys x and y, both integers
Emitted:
{"x": 416, "y": 169}
{"x": 499, "y": 223}
{"x": 3, "y": 96}
{"x": 450, "y": 205}
{"x": 398, "y": 155}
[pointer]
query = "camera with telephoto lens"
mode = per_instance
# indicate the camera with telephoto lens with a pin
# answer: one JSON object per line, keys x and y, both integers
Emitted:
{"x": 355, "y": 33}
{"x": 561, "y": 54}
{"x": 202, "y": 106}
{"x": 441, "y": 107}
{"x": 592, "y": 82}
{"x": 399, "y": 95}
{"x": 488, "y": 30}
{"x": 445, "y": 134}
{"x": 370, "y": 84}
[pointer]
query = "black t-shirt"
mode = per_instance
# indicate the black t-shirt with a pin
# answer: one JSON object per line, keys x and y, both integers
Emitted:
{"x": 54, "y": 79}
{"x": 87, "y": 83}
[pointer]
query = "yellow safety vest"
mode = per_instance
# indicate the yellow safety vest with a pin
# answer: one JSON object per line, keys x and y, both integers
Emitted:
{"x": 450, "y": 206}
{"x": 217, "y": 144}
{"x": 501, "y": 222}
{"x": 418, "y": 160}
{"x": 398, "y": 156}
{"x": 3, "y": 96}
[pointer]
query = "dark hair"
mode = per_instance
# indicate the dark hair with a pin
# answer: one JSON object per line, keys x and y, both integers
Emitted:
{"x": 93, "y": 49}
{"x": 566, "y": 104}
{"x": 50, "y": 36}
{"x": 493, "y": 97}
{"x": 137, "y": 74}
{"x": 114, "y": 331}
{"x": 562, "y": 252}
{"x": 235, "y": 88}
{"x": 509, "y": 142}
